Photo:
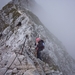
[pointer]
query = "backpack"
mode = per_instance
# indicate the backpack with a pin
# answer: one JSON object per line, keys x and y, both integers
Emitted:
{"x": 41, "y": 45}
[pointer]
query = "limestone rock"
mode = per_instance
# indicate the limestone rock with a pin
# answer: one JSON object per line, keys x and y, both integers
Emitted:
{"x": 3, "y": 71}
{"x": 14, "y": 70}
{"x": 31, "y": 72}
{"x": 9, "y": 72}
{"x": 21, "y": 57}
{"x": 16, "y": 62}
{"x": 3, "y": 63}
{"x": 11, "y": 60}
{"x": 21, "y": 67}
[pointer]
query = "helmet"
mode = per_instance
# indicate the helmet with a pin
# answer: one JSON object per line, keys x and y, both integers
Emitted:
{"x": 37, "y": 39}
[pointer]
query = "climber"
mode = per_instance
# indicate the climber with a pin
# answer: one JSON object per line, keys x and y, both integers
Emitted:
{"x": 39, "y": 47}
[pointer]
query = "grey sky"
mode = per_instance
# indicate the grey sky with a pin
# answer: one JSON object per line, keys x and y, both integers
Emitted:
{"x": 60, "y": 20}
{"x": 3, "y": 3}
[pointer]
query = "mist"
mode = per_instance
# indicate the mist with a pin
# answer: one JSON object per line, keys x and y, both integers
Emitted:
{"x": 59, "y": 17}
{"x": 3, "y": 3}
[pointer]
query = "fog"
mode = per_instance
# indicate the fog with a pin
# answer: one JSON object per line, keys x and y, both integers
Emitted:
{"x": 59, "y": 18}
{"x": 3, "y": 3}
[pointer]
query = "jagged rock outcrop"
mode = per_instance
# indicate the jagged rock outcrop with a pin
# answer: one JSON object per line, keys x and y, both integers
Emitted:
{"x": 17, "y": 45}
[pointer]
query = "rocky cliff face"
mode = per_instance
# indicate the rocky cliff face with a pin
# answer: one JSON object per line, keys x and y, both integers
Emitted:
{"x": 19, "y": 29}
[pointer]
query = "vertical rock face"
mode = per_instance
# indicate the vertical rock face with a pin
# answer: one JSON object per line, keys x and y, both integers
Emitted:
{"x": 17, "y": 45}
